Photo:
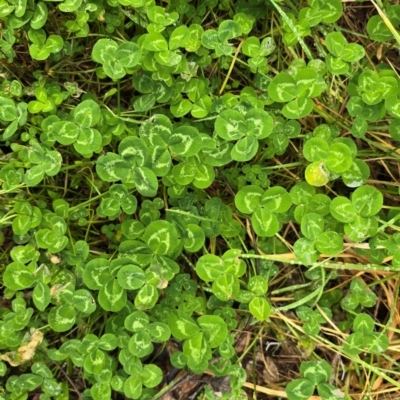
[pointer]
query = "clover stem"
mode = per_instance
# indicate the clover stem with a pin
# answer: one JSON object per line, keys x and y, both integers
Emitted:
{"x": 167, "y": 388}
{"x": 231, "y": 67}
{"x": 119, "y": 97}
{"x": 294, "y": 30}
{"x": 85, "y": 203}
{"x": 250, "y": 346}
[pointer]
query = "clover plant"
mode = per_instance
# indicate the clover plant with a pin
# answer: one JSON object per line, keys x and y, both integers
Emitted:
{"x": 199, "y": 187}
{"x": 315, "y": 375}
{"x": 297, "y": 91}
{"x": 341, "y": 53}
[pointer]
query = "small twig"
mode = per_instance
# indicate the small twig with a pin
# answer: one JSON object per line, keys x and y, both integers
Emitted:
{"x": 231, "y": 67}
{"x": 176, "y": 382}
{"x": 68, "y": 379}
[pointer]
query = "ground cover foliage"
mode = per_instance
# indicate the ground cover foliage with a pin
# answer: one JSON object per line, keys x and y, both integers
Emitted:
{"x": 199, "y": 199}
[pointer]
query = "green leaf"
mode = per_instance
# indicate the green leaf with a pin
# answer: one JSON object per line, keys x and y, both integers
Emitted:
{"x": 8, "y": 111}
{"x": 251, "y": 46}
{"x": 353, "y": 52}
{"x": 214, "y": 329}
{"x": 94, "y": 362}
{"x": 230, "y": 125}
{"x": 83, "y": 301}
{"x": 10, "y": 130}
{"x": 182, "y": 327}
{"x": 201, "y": 107}
{"x": 87, "y": 114}
{"x": 339, "y": 158}
{"x": 276, "y": 199}
{"x": 133, "y": 150}
{"x": 342, "y": 209}
{"x": 265, "y": 223}
{"x": 308, "y": 83}
{"x": 39, "y": 16}
{"x": 392, "y": 106}
{"x": 316, "y": 149}
{"x": 329, "y": 243}
{"x": 336, "y": 65}
{"x": 394, "y": 129}
{"x": 258, "y": 285}
{"x": 282, "y": 88}
{"x": 18, "y": 277}
{"x": 70, "y": 5}
{"x": 41, "y": 296}
{"x": 330, "y": 392}
{"x": 302, "y": 193}
{"x": 62, "y": 318}
{"x": 312, "y": 226}
{"x": 181, "y": 108}
{"x": 197, "y": 351}
{"x": 361, "y": 228}
{"x": 96, "y": 273}
{"x": 128, "y": 54}
{"x": 89, "y": 140}
{"x": 209, "y": 267}
{"x": 335, "y": 43}
{"x": 245, "y": 149}
{"x": 248, "y": 199}
{"x": 195, "y": 38}
{"x": 194, "y": 238}
{"x": 159, "y": 332}
{"x": 24, "y": 254}
{"x": 136, "y": 321}
{"x": 184, "y": 173}
{"x": 316, "y": 174}
{"x": 357, "y": 174}
{"x": 367, "y": 201}
{"x": 298, "y": 108}
{"x": 131, "y": 277}
{"x": 185, "y": 141}
{"x": 114, "y": 69}
{"x": 299, "y": 389}
{"x": 151, "y": 375}
{"x": 168, "y": 58}
{"x": 100, "y": 390}
{"x": 146, "y": 298}
{"x": 260, "y": 308}
{"x": 140, "y": 344}
{"x": 145, "y": 181}
{"x": 161, "y": 237}
{"x": 112, "y": 297}
{"x": 228, "y": 29}
{"x": 133, "y": 387}
{"x": 377, "y": 29}
{"x": 54, "y": 43}
{"x": 316, "y": 371}
{"x": 259, "y": 123}
{"x": 155, "y": 42}
{"x": 144, "y": 103}
{"x": 104, "y": 50}
{"x": 65, "y": 132}
{"x": 21, "y": 224}
{"x": 179, "y": 37}
{"x": 245, "y": 21}
{"x": 305, "y": 251}
{"x": 226, "y": 287}
{"x": 209, "y": 39}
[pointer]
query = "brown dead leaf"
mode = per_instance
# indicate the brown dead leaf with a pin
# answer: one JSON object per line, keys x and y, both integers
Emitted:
{"x": 270, "y": 372}
{"x": 167, "y": 396}
{"x": 243, "y": 343}
{"x": 26, "y": 352}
